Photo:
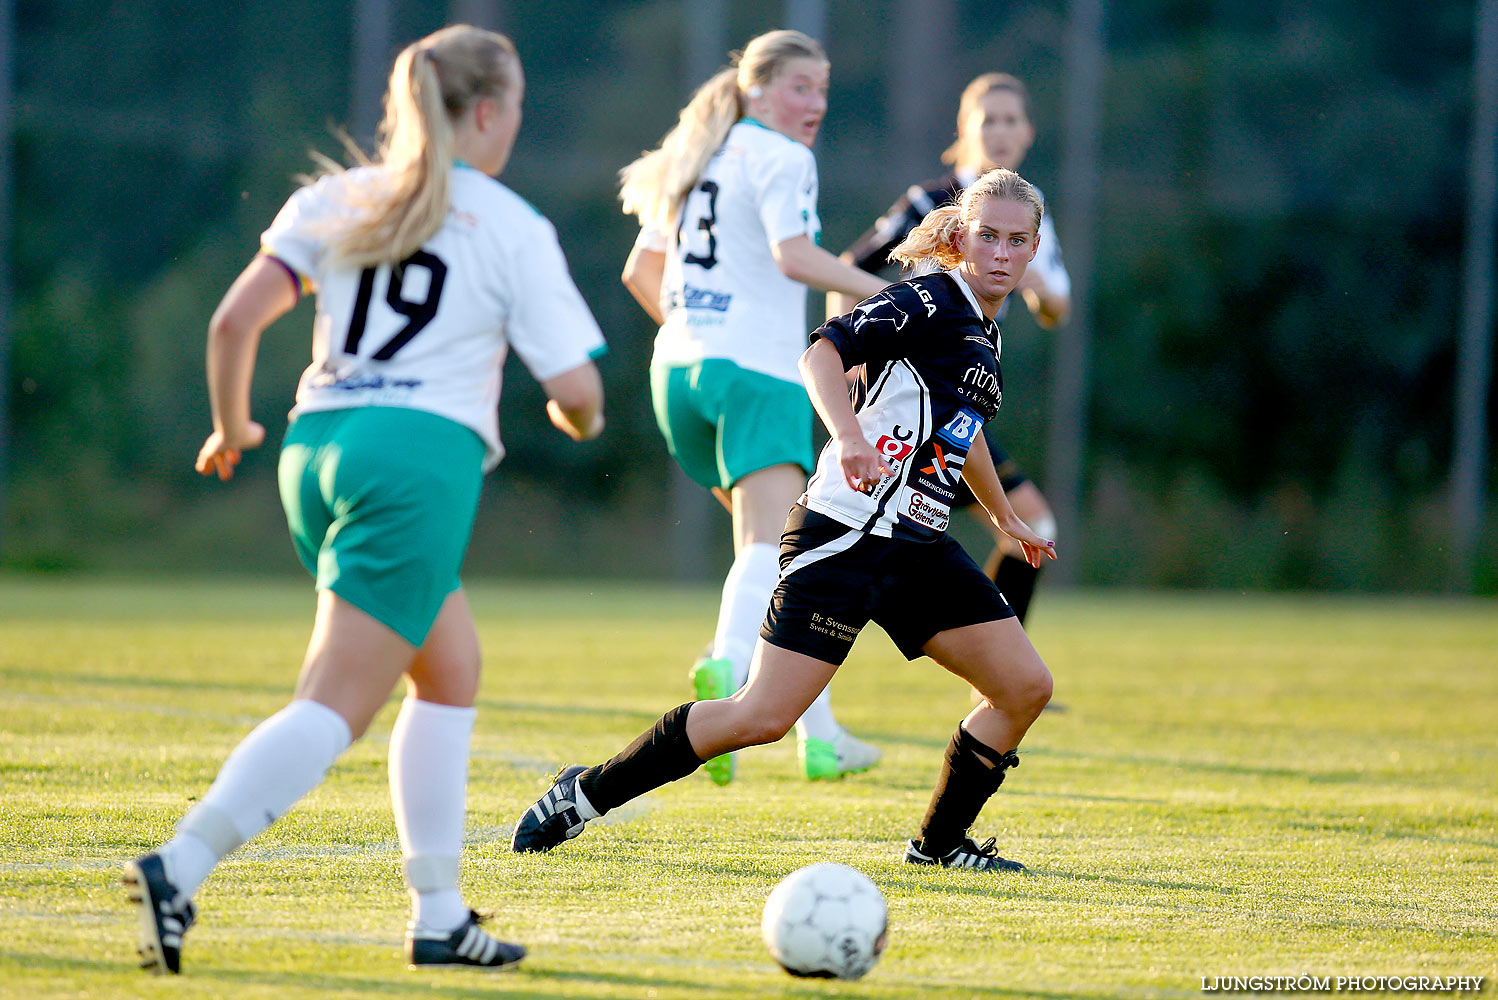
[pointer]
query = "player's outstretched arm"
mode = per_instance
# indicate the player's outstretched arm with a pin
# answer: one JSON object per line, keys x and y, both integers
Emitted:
{"x": 983, "y": 479}
{"x": 574, "y": 402}
{"x": 262, "y": 294}
{"x": 802, "y": 260}
{"x": 822, "y": 367}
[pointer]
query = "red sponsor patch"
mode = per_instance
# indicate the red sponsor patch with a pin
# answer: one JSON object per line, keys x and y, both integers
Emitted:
{"x": 892, "y": 450}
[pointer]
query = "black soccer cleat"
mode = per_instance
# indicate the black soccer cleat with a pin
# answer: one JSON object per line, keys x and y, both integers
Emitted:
{"x": 969, "y": 855}
{"x": 164, "y": 916}
{"x": 553, "y": 818}
{"x": 467, "y": 947}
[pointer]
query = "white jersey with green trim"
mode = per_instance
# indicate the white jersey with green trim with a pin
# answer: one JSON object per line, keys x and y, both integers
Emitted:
{"x": 722, "y": 294}
{"x": 431, "y": 332}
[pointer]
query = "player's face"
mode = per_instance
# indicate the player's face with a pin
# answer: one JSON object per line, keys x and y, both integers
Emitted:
{"x": 996, "y": 248}
{"x": 795, "y": 100}
{"x": 1001, "y": 128}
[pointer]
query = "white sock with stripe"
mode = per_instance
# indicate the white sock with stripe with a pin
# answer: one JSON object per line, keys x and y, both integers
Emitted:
{"x": 282, "y": 759}
{"x": 429, "y": 794}
{"x": 746, "y": 596}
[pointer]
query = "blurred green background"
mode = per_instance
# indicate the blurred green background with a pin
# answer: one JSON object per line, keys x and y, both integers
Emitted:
{"x": 1274, "y": 313}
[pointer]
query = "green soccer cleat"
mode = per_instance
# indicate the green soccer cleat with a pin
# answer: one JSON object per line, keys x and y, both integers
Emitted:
{"x": 713, "y": 679}
{"x": 826, "y": 759}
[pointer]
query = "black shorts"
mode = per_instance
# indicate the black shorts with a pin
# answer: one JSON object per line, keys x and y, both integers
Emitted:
{"x": 1010, "y": 474}
{"x": 835, "y": 579}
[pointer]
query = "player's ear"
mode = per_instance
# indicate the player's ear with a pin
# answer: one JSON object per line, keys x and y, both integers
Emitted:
{"x": 1034, "y": 245}
{"x": 485, "y": 113}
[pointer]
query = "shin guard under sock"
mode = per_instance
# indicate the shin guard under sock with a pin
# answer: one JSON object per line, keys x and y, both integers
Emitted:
{"x": 971, "y": 772}
{"x": 657, "y": 757}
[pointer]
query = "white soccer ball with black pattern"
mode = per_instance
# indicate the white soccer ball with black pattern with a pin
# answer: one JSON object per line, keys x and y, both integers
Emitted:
{"x": 826, "y": 920}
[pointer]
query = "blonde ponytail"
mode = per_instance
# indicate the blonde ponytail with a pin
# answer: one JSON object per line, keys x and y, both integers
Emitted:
{"x": 654, "y": 185}
{"x": 433, "y": 82}
{"x": 935, "y": 239}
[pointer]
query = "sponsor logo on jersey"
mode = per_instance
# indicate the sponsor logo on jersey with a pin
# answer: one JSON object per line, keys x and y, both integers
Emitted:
{"x": 706, "y": 298}
{"x": 983, "y": 378}
{"x": 330, "y": 378}
{"x": 980, "y": 340}
{"x": 926, "y": 298}
{"x": 879, "y": 309}
{"x": 961, "y": 429}
{"x": 923, "y": 510}
{"x": 946, "y": 466}
{"x": 893, "y": 451}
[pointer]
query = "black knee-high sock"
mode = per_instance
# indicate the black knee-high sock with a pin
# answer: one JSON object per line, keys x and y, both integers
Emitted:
{"x": 658, "y": 756}
{"x": 1016, "y": 580}
{"x": 971, "y": 772}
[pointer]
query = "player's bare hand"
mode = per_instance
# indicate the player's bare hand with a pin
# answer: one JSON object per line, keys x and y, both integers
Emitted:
{"x": 1032, "y": 546}
{"x": 862, "y": 466}
{"x": 222, "y": 452}
{"x": 567, "y": 422}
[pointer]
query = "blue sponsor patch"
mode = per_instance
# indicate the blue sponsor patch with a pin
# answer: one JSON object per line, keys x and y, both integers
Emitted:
{"x": 960, "y": 431}
{"x": 704, "y": 298}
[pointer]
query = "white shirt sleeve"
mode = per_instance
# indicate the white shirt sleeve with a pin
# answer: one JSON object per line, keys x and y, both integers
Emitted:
{"x": 550, "y": 326}
{"x": 297, "y": 234}
{"x": 1048, "y": 263}
{"x": 787, "y": 195}
{"x": 652, "y": 238}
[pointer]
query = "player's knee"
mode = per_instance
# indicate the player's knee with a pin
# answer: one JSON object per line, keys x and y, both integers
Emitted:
{"x": 1035, "y": 692}
{"x": 766, "y": 726}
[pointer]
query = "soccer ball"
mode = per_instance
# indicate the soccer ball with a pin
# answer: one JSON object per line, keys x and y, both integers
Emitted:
{"x": 825, "y": 920}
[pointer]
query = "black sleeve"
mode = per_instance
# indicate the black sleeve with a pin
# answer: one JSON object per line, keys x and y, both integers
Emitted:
{"x": 877, "y": 329}
{"x": 871, "y": 250}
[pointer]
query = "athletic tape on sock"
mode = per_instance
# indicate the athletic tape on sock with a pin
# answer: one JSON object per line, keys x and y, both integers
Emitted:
{"x": 431, "y": 872}
{"x": 213, "y": 827}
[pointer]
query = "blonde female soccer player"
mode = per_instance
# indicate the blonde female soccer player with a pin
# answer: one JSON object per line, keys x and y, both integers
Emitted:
{"x": 427, "y": 270}
{"x": 727, "y": 247}
{"x": 994, "y": 129}
{"x": 868, "y": 541}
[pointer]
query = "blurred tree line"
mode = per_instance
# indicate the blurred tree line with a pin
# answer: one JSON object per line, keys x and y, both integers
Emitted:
{"x": 1279, "y": 238}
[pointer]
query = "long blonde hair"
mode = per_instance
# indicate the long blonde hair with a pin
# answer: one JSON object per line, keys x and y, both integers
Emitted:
{"x": 934, "y": 239}
{"x": 434, "y": 81}
{"x": 653, "y": 186}
{"x": 974, "y": 92}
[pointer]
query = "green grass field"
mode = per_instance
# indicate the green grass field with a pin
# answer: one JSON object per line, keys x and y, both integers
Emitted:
{"x": 1237, "y": 785}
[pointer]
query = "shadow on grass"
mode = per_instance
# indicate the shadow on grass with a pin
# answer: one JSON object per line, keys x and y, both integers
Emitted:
{"x": 550, "y": 984}
{"x": 1143, "y": 883}
{"x": 937, "y": 745}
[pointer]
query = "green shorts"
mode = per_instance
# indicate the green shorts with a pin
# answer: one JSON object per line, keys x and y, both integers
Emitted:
{"x": 722, "y": 422}
{"x": 380, "y": 501}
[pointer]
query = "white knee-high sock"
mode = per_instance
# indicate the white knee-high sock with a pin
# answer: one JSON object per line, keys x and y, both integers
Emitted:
{"x": 746, "y": 596}
{"x": 818, "y": 722}
{"x": 282, "y": 759}
{"x": 429, "y": 792}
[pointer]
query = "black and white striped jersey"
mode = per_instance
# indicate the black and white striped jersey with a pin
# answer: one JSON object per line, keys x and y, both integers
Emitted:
{"x": 929, "y": 381}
